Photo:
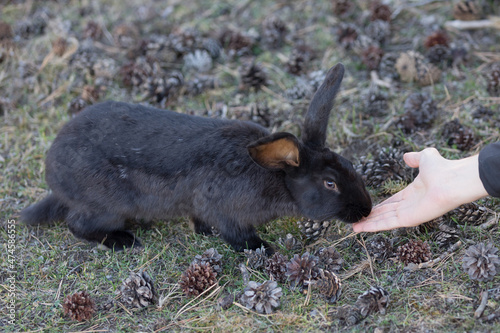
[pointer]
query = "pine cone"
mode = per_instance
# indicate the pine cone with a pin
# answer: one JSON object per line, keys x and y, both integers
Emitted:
{"x": 379, "y": 11}
{"x": 427, "y": 74}
{"x": 138, "y": 290}
{"x": 328, "y": 285}
{"x": 59, "y": 46}
{"x": 458, "y": 135}
{"x": 415, "y": 251}
{"x": 197, "y": 278}
{"x": 378, "y": 30}
{"x": 290, "y": 243}
{"x": 165, "y": 87}
{"x": 483, "y": 113}
{"x": 7, "y": 49}
{"x": 212, "y": 257}
{"x": 256, "y": 259}
{"x": 235, "y": 41}
{"x": 406, "y": 65}
{"x": 76, "y": 105}
{"x": 387, "y": 166}
{"x": 252, "y": 75}
{"x": 276, "y": 267}
{"x": 90, "y": 94}
{"x": 429, "y": 226}
{"x": 213, "y": 47}
{"x": 493, "y": 80}
{"x": 387, "y": 65}
{"x": 79, "y": 306}
{"x": 459, "y": 55}
{"x": 373, "y": 300}
{"x": 446, "y": 236}
{"x": 199, "y": 84}
{"x": 439, "y": 54}
{"x": 348, "y": 314}
{"x": 436, "y": 38}
{"x": 92, "y": 30}
{"x": 379, "y": 248}
{"x": 274, "y": 31}
{"x": 185, "y": 41}
{"x": 261, "y": 297}
{"x": 104, "y": 69}
{"x": 5, "y": 31}
{"x": 313, "y": 230}
{"x": 199, "y": 61}
{"x": 158, "y": 48}
{"x": 300, "y": 57}
{"x": 329, "y": 259}
{"x": 33, "y": 26}
{"x": 301, "y": 269}
{"x": 316, "y": 78}
{"x": 135, "y": 74}
{"x": 85, "y": 57}
{"x": 362, "y": 43}
{"x": 371, "y": 57}
{"x": 420, "y": 113}
{"x": 467, "y": 10}
{"x": 341, "y": 7}
{"x": 376, "y": 104}
{"x": 126, "y": 35}
{"x": 481, "y": 261}
{"x": 471, "y": 214}
{"x": 347, "y": 34}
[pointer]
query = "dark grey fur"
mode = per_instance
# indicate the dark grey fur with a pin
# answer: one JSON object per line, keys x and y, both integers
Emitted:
{"x": 117, "y": 161}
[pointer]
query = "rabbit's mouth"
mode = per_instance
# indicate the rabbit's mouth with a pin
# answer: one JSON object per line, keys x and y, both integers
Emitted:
{"x": 354, "y": 213}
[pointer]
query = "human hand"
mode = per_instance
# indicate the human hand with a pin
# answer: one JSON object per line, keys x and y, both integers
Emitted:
{"x": 440, "y": 186}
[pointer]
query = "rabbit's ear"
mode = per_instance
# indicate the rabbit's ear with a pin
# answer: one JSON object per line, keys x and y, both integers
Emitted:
{"x": 316, "y": 120}
{"x": 276, "y": 151}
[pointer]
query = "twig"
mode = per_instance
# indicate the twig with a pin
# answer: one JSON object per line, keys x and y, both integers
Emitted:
{"x": 185, "y": 307}
{"x": 55, "y": 94}
{"x": 492, "y": 22}
{"x": 491, "y": 222}
{"x": 150, "y": 260}
{"x": 492, "y": 316}
{"x": 370, "y": 261}
{"x": 163, "y": 299}
{"x": 484, "y": 300}
{"x": 378, "y": 81}
{"x": 309, "y": 292}
{"x": 358, "y": 268}
{"x": 58, "y": 293}
{"x": 251, "y": 311}
{"x": 338, "y": 241}
{"x": 431, "y": 263}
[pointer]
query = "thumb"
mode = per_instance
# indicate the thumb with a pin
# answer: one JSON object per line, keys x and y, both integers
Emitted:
{"x": 412, "y": 159}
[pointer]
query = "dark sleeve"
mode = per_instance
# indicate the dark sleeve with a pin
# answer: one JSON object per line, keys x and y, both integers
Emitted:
{"x": 489, "y": 168}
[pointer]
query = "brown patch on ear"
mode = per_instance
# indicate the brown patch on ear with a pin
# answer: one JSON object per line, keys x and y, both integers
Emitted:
{"x": 276, "y": 154}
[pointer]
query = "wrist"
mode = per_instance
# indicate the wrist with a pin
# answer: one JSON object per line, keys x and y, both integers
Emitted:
{"x": 467, "y": 185}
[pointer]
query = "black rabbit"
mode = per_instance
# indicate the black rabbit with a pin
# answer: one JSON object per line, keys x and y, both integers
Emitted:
{"x": 117, "y": 161}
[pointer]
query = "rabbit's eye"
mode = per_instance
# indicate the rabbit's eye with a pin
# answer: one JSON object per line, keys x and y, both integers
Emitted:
{"x": 330, "y": 185}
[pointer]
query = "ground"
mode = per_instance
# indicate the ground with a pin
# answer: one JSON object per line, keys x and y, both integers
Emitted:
{"x": 196, "y": 57}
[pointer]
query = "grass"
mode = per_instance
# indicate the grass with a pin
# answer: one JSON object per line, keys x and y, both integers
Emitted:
{"x": 51, "y": 264}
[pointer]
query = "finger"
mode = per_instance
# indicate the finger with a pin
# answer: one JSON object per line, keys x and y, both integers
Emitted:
{"x": 412, "y": 159}
{"x": 383, "y": 217}
{"x": 389, "y": 223}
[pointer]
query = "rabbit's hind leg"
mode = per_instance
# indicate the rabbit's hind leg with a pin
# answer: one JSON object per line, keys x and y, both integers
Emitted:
{"x": 103, "y": 228}
{"x": 246, "y": 238}
{"x": 200, "y": 227}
